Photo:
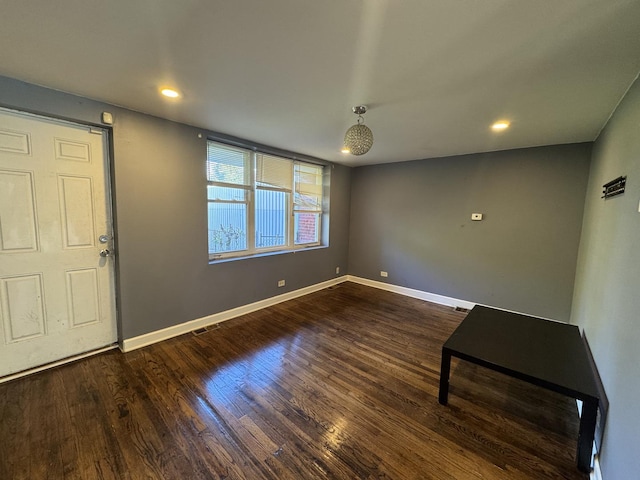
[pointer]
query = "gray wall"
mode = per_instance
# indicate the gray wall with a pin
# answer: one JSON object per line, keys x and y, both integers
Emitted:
{"x": 413, "y": 220}
{"x": 161, "y": 223}
{"x": 607, "y": 293}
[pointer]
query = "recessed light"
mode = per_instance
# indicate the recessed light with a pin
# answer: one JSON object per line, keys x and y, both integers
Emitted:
{"x": 345, "y": 150}
{"x": 170, "y": 92}
{"x": 501, "y": 125}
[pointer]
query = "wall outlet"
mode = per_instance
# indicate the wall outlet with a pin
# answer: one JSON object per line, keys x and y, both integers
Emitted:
{"x": 476, "y": 216}
{"x": 384, "y": 274}
{"x": 281, "y": 283}
{"x": 337, "y": 270}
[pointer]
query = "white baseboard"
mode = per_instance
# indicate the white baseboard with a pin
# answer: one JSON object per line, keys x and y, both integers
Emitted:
{"x": 140, "y": 341}
{"x": 150, "y": 338}
{"x": 410, "y": 292}
{"x": 596, "y": 473}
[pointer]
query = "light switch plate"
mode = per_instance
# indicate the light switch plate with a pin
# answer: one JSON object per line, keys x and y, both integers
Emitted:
{"x": 476, "y": 216}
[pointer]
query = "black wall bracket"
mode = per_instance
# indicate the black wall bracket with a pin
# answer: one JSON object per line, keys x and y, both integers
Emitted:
{"x": 614, "y": 187}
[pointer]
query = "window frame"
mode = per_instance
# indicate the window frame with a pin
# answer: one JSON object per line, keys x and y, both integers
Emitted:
{"x": 251, "y": 203}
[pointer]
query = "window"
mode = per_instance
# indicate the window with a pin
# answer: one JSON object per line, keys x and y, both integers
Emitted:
{"x": 261, "y": 203}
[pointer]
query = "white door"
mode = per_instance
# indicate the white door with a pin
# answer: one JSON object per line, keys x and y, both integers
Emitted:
{"x": 56, "y": 290}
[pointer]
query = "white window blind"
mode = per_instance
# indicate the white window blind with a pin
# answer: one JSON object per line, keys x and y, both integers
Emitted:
{"x": 308, "y": 187}
{"x": 227, "y": 165}
{"x": 274, "y": 172}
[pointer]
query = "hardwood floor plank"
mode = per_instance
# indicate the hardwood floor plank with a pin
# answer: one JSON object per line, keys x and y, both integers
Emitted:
{"x": 92, "y": 449}
{"x": 339, "y": 384}
{"x": 14, "y": 461}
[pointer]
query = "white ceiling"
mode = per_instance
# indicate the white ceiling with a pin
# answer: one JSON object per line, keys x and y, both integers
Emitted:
{"x": 434, "y": 73}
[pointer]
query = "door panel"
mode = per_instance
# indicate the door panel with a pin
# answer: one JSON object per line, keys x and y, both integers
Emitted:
{"x": 22, "y": 307}
{"x": 18, "y": 229}
{"x": 14, "y": 142}
{"x": 56, "y": 292}
{"x": 76, "y": 212}
{"x": 83, "y": 297}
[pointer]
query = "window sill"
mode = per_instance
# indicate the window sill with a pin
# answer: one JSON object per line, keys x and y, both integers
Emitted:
{"x": 213, "y": 261}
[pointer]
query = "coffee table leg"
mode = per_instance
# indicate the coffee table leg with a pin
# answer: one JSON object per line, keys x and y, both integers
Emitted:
{"x": 445, "y": 367}
{"x": 586, "y": 434}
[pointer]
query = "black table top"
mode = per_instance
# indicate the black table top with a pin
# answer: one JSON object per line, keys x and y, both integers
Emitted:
{"x": 544, "y": 352}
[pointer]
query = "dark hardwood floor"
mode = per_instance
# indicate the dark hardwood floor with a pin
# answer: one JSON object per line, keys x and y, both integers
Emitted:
{"x": 339, "y": 384}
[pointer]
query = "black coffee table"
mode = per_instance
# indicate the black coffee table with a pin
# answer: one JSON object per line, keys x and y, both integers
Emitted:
{"x": 542, "y": 352}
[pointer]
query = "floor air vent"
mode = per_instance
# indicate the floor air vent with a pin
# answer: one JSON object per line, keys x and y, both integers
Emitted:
{"x": 200, "y": 331}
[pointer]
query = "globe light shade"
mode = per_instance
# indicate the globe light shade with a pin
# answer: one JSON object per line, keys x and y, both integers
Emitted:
{"x": 358, "y": 139}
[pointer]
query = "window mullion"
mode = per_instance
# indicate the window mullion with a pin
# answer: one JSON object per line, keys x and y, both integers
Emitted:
{"x": 291, "y": 205}
{"x": 251, "y": 233}
{"x": 228, "y": 185}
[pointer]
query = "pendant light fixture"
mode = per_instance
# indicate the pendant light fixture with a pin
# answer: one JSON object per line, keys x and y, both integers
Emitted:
{"x": 359, "y": 138}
